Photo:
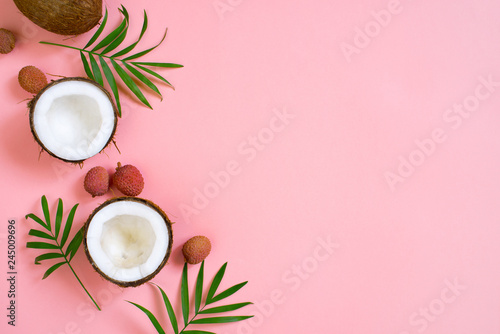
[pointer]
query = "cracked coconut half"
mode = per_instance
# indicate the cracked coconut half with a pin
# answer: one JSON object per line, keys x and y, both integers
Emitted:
{"x": 73, "y": 119}
{"x": 128, "y": 240}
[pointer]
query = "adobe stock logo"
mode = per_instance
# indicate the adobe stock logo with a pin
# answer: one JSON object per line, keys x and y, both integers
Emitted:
{"x": 454, "y": 118}
{"x": 29, "y": 30}
{"x": 87, "y": 312}
{"x": 292, "y": 279}
{"x": 223, "y": 6}
{"x": 364, "y": 36}
{"x": 247, "y": 151}
{"x": 429, "y": 313}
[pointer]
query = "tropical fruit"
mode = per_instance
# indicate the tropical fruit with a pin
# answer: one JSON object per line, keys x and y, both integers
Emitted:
{"x": 63, "y": 17}
{"x": 128, "y": 180}
{"x": 96, "y": 181}
{"x": 73, "y": 119}
{"x": 32, "y": 79}
{"x": 128, "y": 240}
{"x": 7, "y": 41}
{"x": 196, "y": 249}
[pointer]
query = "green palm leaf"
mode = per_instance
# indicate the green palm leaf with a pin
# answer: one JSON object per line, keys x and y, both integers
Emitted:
{"x": 69, "y": 224}
{"x": 199, "y": 288}
{"x": 227, "y": 293}
{"x": 46, "y": 212}
{"x": 52, "y": 269}
{"x": 151, "y": 317}
{"x": 115, "y": 33}
{"x": 112, "y": 83}
{"x": 57, "y": 245}
{"x": 225, "y": 308}
{"x": 40, "y": 234}
{"x": 145, "y": 52}
{"x": 86, "y": 66}
{"x": 216, "y": 282}
{"x": 59, "y": 215}
{"x": 170, "y": 310}
{"x": 185, "y": 295}
{"x": 198, "y": 309}
{"x": 130, "y": 83}
{"x": 96, "y": 70}
{"x": 168, "y": 65}
{"x": 219, "y": 320}
{"x": 142, "y": 78}
{"x": 47, "y": 256}
{"x": 74, "y": 245}
{"x": 100, "y": 71}
{"x": 119, "y": 39}
{"x": 98, "y": 31}
{"x": 41, "y": 245}
{"x": 147, "y": 70}
{"x": 132, "y": 46}
{"x": 37, "y": 219}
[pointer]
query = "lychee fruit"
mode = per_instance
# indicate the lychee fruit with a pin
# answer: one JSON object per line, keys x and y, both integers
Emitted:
{"x": 32, "y": 79}
{"x": 128, "y": 180}
{"x": 7, "y": 41}
{"x": 196, "y": 249}
{"x": 96, "y": 181}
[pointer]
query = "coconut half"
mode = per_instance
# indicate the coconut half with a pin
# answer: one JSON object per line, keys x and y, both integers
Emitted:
{"x": 73, "y": 119}
{"x": 128, "y": 240}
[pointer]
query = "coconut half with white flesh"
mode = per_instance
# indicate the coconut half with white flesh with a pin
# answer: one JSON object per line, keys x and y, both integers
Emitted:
{"x": 128, "y": 240}
{"x": 73, "y": 119}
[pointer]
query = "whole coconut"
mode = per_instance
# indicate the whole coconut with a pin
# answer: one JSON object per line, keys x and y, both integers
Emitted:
{"x": 63, "y": 17}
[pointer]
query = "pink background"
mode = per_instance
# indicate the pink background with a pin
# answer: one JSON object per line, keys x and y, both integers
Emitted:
{"x": 415, "y": 254}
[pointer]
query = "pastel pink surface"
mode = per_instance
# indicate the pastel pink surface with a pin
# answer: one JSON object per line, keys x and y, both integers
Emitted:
{"x": 336, "y": 174}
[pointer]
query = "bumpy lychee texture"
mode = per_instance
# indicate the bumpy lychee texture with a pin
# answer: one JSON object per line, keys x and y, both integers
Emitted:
{"x": 196, "y": 249}
{"x": 32, "y": 79}
{"x": 128, "y": 180}
{"x": 96, "y": 181}
{"x": 7, "y": 41}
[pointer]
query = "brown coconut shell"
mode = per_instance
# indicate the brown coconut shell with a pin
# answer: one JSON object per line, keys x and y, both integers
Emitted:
{"x": 32, "y": 104}
{"x": 148, "y": 203}
{"x": 63, "y": 17}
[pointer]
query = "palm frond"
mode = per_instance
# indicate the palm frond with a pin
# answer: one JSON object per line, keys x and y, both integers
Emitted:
{"x": 96, "y": 60}
{"x": 198, "y": 310}
{"x": 52, "y": 242}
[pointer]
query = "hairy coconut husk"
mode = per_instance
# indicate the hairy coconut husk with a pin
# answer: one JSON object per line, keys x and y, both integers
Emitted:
{"x": 32, "y": 104}
{"x": 146, "y": 202}
{"x": 63, "y": 17}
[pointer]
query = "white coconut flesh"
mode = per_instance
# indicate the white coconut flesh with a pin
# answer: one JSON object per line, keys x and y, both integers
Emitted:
{"x": 74, "y": 119}
{"x": 127, "y": 240}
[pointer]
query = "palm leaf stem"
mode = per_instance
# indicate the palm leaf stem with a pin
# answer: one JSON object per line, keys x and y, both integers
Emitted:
{"x": 74, "y": 273}
{"x": 194, "y": 316}
{"x": 94, "y": 53}
{"x": 83, "y": 50}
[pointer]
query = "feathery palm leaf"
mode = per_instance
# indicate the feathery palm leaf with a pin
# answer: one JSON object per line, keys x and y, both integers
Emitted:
{"x": 198, "y": 310}
{"x": 95, "y": 56}
{"x": 53, "y": 243}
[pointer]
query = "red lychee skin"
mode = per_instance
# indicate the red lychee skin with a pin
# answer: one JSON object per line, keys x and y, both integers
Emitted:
{"x": 96, "y": 181}
{"x": 128, "y": 180}
{"x": 196, "y": 249}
